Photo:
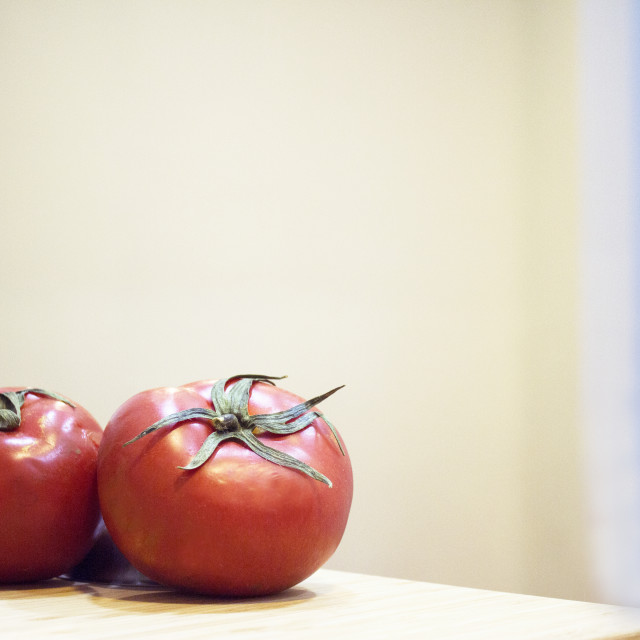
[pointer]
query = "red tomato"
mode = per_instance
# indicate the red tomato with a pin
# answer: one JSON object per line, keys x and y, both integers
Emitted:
{"x": 48, "y": 491}
{"x": 238, "y": 524}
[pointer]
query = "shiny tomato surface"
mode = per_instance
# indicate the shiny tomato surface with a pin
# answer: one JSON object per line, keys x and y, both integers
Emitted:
{"x": 48, "y": 491}
{"x": 238, "y": 525}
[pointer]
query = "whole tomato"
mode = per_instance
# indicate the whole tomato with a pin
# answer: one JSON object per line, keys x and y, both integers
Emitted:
{"x": 230, "y": 488}
{"x": 48, "y": 490}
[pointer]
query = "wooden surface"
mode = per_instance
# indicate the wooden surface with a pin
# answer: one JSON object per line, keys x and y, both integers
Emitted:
{"x": 328, "y": 605}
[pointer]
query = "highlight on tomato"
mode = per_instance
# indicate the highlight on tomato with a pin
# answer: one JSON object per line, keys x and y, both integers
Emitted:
{"x": 49, "y": 506}
{"x": 233, "y": 487}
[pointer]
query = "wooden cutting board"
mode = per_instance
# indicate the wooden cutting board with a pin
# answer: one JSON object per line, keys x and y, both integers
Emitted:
{"x": 328, "y": 605}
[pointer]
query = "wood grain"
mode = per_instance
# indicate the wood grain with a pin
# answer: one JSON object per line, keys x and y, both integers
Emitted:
{"x": 330, "y": 604}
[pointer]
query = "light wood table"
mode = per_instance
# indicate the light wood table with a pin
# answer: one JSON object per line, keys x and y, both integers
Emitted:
{"x": 328, "y": 605}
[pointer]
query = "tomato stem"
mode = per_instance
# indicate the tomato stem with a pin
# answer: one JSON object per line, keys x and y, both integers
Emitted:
{"x": 230, "y": 419}
{"x": 11, "y": 404}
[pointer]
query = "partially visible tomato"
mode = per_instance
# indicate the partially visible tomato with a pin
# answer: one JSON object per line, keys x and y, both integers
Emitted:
{"x": 224, "y": 521}
{"x": 48, "y": 492}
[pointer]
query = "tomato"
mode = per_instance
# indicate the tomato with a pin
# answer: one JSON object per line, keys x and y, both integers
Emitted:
{"x": 49, "y": 507}
{"x": 208, "y": 501}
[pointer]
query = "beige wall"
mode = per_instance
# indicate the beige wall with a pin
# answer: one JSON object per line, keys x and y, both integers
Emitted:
{"x": 345, "y": 192}
{"x": 553, "y": 470}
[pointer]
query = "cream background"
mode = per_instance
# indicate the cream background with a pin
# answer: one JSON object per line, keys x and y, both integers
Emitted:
{"x": 380, "y": 194}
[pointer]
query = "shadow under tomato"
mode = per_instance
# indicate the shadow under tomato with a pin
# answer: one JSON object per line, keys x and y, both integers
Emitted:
{"x": 161, "y": 599}
{"x": 35, "y": 587}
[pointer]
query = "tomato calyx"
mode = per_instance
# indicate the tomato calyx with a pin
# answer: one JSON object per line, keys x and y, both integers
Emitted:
{"x": 230, "y": 419}
{"x": 11, "y": 403}
{"x": 227, "y": 423}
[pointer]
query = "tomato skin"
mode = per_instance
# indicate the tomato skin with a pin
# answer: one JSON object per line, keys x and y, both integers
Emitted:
{"x": 236, "y": 526}
{"x": 48, "y": 489}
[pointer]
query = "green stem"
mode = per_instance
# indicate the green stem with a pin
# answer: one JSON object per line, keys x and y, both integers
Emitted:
{"x": 11, "y": 404}
{"x": 230, "y": 419}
